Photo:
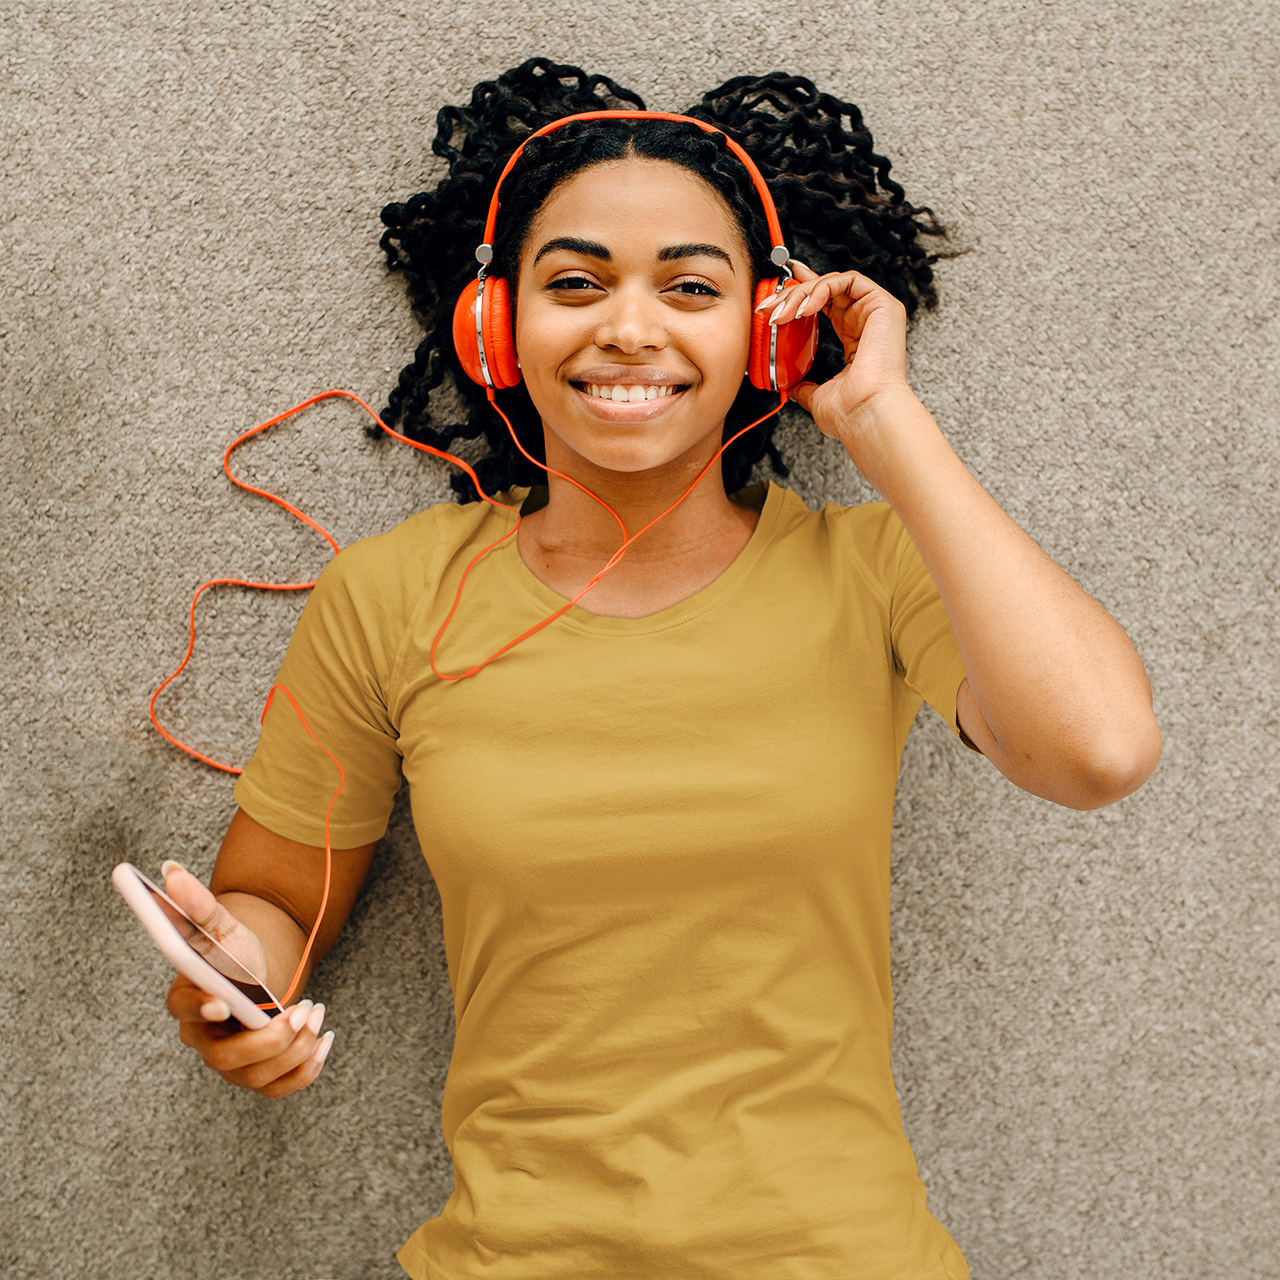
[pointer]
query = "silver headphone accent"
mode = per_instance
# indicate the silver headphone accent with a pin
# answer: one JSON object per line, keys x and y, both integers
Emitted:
{"x": 481, "y": 280}
{"x": 779, "y": 255}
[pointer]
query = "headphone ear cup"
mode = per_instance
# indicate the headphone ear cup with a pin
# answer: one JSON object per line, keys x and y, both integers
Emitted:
{"x": 464, "y": 333}
{"x": 500, "y": 334}
{"x": 796, "y": 347}
{"x": 495, "y": 325}
{"x": 758, "y": 360}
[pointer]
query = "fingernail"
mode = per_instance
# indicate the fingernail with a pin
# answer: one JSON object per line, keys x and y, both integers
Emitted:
{"x": 215, "y": 1011}
{"x": 322, "y": 1049}
{"x": 169, "y": 865}
{"x": 299, "y": 1014}
{"x": 802, "y": 309}
{"x": 316, "y": 1021}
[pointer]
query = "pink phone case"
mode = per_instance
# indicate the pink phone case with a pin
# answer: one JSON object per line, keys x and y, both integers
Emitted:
{"x": 141, "y": 895}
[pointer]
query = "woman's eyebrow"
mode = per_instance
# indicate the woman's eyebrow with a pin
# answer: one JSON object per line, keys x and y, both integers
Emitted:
{"x": 675, "y": 251}
{"x": 574, "y": 245}
{"x": 592, "y": 249}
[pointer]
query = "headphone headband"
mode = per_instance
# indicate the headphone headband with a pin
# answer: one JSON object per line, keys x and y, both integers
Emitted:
{"x": 484, "y": 336}
{"x": 778, "y": 253}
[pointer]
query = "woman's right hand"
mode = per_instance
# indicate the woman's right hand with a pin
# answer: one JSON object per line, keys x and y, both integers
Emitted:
{"x": 274, "y": 1061}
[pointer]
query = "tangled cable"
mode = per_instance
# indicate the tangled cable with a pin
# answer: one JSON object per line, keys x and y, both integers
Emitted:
{"x": 628, "y": 539}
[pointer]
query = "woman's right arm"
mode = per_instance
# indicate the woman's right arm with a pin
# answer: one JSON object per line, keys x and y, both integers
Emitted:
{"x": 263, "y": 900}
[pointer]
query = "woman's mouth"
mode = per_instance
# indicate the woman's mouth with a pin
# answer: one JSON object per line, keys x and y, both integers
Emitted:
{"x": 620, "y": 402}
{"x": 622, "y": 394}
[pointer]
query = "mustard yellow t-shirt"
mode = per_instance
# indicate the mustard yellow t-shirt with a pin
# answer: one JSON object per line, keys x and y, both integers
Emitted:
{"x": 662, "y": 849}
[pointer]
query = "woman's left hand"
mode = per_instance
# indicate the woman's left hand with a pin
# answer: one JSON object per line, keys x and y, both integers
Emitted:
{"x": 1055, "y": 694}
{"x": 872, "y": 326}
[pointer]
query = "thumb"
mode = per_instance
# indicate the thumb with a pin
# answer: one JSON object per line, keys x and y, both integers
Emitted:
{"x": 238, "y": 953}
{"x": 802, "y": 394}
{"x": 196, "y": 900}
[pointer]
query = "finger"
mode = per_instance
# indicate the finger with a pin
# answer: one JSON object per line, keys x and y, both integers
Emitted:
{"x": 260, "y": 1074}
{"x": 801, "y": 270}
{"x": 838, "y": 288}
{"x": 203, "y": 1029}
{"x": 188, "y": 1003}
{"x": 802, "y": 394}
{"x": 790, "y": 301}
{"x": 814, "y": 301}
{"x": 788, "y": 293}
{"x": 814, "y": 295}
{"x": 302, "y": 1075}
{"x": 234, "y": 1052}
{"x": 194, "y": 897}
{"x": 204, "y": 1036}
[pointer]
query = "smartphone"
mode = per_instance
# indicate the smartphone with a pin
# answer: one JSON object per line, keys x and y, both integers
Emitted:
{"x": 193, "y": 952}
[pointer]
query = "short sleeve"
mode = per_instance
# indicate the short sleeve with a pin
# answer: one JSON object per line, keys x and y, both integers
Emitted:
{"x": 926, "y": 656}
{"x": 335, "y": 669}
{"x": 924, "y": 645}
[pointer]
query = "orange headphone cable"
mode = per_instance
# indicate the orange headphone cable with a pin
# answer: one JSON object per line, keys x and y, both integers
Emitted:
{"x": 628, "y": 541}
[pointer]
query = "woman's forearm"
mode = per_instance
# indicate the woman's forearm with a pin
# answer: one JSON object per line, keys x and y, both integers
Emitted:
{"x": 1062, "y": 703}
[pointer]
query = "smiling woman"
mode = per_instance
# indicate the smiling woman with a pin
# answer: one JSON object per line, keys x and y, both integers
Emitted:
{"x": 658, "y": 293}
{"x": 655, "y": 296}
{"x": 832, "y": 189}
{"x": 660, "y": 827}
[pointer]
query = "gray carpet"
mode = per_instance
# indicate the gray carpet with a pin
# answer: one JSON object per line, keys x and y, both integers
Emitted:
{"x": 1087, "y": 1005}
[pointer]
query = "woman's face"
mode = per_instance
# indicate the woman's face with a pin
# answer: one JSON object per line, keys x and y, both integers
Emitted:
{"x": 633, "y": 317}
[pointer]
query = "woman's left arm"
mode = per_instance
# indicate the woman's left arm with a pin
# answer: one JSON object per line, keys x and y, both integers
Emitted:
{"x": 1056, "y": 696}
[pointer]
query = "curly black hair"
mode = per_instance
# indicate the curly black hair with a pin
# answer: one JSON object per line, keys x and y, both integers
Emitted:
{"x": 839, "y": 208}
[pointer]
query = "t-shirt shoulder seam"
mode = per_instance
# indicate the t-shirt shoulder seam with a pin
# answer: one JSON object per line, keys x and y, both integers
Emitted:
{"x": 859, "y": 510}
{"x": 433, "y": 523}
{"x": 446, "y": 541}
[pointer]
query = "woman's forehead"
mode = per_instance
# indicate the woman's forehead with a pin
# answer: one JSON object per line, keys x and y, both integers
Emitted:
{"x": 635, "y": 203}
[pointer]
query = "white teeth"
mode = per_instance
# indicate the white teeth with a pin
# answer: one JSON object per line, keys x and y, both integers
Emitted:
{"x": 627, "y": 395}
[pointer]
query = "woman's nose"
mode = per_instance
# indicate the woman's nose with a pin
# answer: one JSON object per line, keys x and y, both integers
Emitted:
{"x": 632, "y": 322}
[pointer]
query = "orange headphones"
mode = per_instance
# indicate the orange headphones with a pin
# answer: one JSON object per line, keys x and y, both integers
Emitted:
{"x": 484, "y": 337}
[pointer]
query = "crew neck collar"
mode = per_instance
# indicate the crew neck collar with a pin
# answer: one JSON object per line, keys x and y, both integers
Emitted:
{"x": 767, "y": 498}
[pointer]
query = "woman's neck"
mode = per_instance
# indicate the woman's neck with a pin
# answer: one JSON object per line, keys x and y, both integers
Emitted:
{"x": 570, "y": 539}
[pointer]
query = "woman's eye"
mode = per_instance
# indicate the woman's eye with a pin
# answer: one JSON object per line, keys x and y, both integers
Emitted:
{"x": 583, "y": 284}
{"x": 698, "y": 288}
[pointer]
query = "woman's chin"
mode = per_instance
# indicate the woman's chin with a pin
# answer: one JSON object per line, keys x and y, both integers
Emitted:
{"x": 627, "y": 465}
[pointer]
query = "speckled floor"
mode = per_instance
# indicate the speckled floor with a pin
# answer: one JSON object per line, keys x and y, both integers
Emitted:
{"x": 1087, "y": 1004}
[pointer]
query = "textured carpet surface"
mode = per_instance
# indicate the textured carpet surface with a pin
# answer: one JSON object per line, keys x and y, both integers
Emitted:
{"x": 1088, "y": 1009}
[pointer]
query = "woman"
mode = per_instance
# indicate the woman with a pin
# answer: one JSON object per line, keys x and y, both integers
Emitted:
{"x": 660, "y": 826}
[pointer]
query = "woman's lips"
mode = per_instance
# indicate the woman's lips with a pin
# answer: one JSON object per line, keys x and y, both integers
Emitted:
{"x": 609, "y": 409}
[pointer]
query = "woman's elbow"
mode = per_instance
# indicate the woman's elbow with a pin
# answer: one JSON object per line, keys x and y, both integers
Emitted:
{"x": 1118, "y": 767}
